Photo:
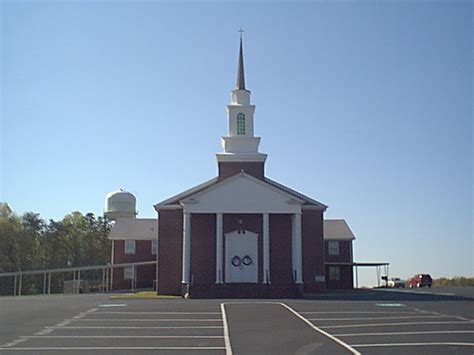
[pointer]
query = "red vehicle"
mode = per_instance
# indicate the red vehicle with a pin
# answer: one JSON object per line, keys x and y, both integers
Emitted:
{"x": 420, "y": 280}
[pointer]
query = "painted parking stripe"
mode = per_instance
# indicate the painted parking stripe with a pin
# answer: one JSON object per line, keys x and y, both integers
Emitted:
{"x": 190, "y": 313}
{"x": 319, "y": 330}
{"x": 102, "y": 348}
{"x": 411, "y": 344}
{"x": 145, "y": 320}
{"x": 127, "y": 327}
{"x": 122, "y": 337}
{"x": 360, "y": 312}
{"x": 228, "y": 348}
{"x": 408, "y": 333}
{"x": 362, "y": 318}
{"x": 385, "y": 324}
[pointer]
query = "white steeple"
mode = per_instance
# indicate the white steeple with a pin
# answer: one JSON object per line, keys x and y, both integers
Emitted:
{"x": 240, "y": 145}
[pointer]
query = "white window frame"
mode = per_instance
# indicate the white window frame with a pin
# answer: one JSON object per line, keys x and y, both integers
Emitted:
{"x": 334, "y": 247}
{"x": 128, "y": 272}
{"x": 130, "y": 247}
{"x": 334, "y": 273}
{"x": 154, "y": 246}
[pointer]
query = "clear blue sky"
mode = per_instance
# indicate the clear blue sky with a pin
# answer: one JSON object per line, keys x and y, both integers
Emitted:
{"x": 363, "y": 105}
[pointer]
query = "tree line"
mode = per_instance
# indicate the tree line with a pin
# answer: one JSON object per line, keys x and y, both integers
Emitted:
{"x": 28, "y": 242}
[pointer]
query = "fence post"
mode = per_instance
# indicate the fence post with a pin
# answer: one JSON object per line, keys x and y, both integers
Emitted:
{"x": 49, "y": 283}
{"x": 44, "y": 283}
{"x": 14, "y": 285}
{"x": 78, "y": 281}
{"x": 19, "y": 286}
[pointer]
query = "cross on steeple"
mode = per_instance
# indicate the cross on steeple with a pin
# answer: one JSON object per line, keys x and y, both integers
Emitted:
{"x": 240, "y": 67}
{"x": 241, "y": 30}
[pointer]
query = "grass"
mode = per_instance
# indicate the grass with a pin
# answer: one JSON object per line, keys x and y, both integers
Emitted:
{"x": 141, "y": 295}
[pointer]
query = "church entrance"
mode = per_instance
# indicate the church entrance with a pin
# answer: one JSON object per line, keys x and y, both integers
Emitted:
{"x": 241, "y": 257}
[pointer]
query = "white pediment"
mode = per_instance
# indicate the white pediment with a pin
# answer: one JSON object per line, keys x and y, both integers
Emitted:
{"x": 242, "y": 193}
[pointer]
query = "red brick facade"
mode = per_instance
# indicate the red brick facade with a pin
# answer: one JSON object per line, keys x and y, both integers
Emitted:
{"x": 313, "y": 250}
{"x": 228, "y": 169}
{"x": 170, "y": 246}
{"x": 145, "y": 274}
{"x": 346, "y": 276}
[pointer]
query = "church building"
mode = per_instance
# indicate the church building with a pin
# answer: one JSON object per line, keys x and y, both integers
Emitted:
{"x": 242, "y": 234}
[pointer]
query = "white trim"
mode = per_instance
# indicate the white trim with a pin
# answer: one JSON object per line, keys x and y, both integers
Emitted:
{"x": 252, "y": 178}
{"x": 228, "y": 347}
{"x": 297, "y": 250}
{"x": 165, "y": 204}
{"x": 168, "y": 207}
{"x": 219, "y": 248}
{"x": 186, "y": 257}
{"x": 242, "y": 157}
{"x": 266, "y": 248}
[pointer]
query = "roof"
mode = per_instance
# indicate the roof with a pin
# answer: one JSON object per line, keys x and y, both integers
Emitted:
{"x": 337, "y": 229}
{"x": 307, "y": 200}
{"x": 175, "y": 200}
{"x": 134, "y": 229}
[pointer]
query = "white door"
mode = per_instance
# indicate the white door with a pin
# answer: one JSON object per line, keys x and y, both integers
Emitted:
{"x": 241, "y": 257}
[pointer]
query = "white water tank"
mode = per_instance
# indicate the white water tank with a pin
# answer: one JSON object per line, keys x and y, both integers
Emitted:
{"x": 120, "y": 204}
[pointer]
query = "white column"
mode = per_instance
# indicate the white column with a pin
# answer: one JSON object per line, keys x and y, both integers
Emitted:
{"x": 219, "y": 247}
{"x": 297, "y": 250}
{"x": 266, "y": 248}
{"x": 186, "y": 247}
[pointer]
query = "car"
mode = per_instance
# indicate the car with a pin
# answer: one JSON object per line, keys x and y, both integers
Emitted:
{"x": 420, "y": 280}
{"x": 395, "y": 282}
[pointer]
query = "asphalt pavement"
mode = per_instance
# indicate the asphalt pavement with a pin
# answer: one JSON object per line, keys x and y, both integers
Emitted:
{"x": 360, "y": 321}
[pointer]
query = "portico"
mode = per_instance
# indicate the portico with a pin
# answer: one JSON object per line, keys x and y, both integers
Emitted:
{"x": 242, "y": 195}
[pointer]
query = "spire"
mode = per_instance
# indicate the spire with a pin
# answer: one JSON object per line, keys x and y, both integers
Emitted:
{"x": 240, "y": 68}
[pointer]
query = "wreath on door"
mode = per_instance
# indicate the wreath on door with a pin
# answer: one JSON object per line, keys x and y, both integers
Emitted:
{"x": 247, "y": 260}
{"x": 236, "y": 261}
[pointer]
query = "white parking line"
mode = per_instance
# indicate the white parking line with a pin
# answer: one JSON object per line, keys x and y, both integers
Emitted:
{"x": 385, "y": 324}
{"x": 145, "y": 320}
{"x": 191, "y": 313}
{"x": 340, "y": 342}
{"x": 362, "y": 318}
{"x": 408, "y": 333}
{"x": 102, "y": 348}
{"x": 442, "y": 314}
{"x": 410, "y": 344}
{"x": 228, "y": 348}
{"x": 360, "y": 312}
{"x": 126, "y": 327}
{"x": 122, "y": 337}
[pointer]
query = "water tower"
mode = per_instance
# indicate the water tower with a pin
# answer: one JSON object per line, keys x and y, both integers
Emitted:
{"x": 120, "y": 204}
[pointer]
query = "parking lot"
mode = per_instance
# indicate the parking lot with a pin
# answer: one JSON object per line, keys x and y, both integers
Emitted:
{"x": 385, "y": 324}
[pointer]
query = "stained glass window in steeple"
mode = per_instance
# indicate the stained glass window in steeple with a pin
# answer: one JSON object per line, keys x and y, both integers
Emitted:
{"x": 240, "y": 124}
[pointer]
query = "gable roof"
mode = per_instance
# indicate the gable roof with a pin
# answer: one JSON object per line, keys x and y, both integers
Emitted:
{"x": 175, "y": 200}
{"x": 134, "y": 229}
{"x": 307, "y": 200}
{"x": 337, "y": 229}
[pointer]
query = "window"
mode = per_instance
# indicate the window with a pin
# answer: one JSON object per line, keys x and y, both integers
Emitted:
{"x": 240, "y": 124}
{"x": 129, "y": 247}
{"x": 154, "y": 246}
{"x": 334, "y": 273}
{"x": 128, "y": 272}
{"x": 333, "y": 248}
